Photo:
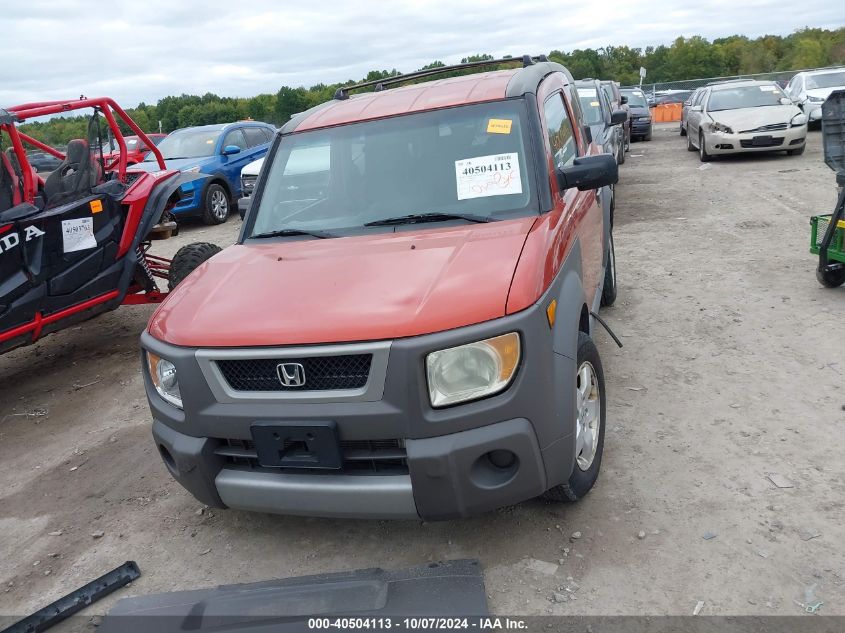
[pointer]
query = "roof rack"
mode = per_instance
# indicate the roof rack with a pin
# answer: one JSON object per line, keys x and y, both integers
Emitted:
{"x": 380, "y": 84}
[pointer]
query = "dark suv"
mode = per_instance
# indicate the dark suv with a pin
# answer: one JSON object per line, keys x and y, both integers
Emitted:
{"x": 640, "y": 114}
{"x": 410, "y": 333}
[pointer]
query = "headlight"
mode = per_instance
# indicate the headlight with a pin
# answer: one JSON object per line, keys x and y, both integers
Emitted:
{"x": 814, "y": 99}
{"x": 163, "y": 375}
{"x": 719, "y": 127}
{"x": 472, "y": 371}
{"x": 798, "y": 119}
{"x": 192, "y": 170}
{"x": 645, "y": 119}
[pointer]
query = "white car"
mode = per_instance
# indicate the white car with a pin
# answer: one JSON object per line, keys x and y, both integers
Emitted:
{"x": 249, "y": 174}
{"x": 745, "y": 116}
{"x": 809, "y": 90}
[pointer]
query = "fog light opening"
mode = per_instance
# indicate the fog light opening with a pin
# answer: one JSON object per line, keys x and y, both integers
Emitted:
{"x": 494, "y": 469}
{"x": 168, "y": 460}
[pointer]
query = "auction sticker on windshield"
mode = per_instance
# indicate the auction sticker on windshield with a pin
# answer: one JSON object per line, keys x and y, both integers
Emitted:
{"x": 494, "y": 175}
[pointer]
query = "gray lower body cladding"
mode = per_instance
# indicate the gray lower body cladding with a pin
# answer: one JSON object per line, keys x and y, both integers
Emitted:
{"x": 447, "y": 469}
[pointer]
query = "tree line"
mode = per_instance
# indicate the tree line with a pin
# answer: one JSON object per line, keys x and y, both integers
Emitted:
{"x": 685, "y": 58}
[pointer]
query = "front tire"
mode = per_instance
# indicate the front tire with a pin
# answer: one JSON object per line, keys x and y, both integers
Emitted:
{"x": 702, "y": 150}
{"x": 797, "y": 152}
{"x": 187, "y": 259}
{"x": 590, "y": 423}
{"x": 683, "y": 130}
{"x": 620, "y": 155}
{"x": 608, "y": 293}
{"x": 215, "y": 208}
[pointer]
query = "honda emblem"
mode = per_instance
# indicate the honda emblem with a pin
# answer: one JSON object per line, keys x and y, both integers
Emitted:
{"x": 291, "y": 374}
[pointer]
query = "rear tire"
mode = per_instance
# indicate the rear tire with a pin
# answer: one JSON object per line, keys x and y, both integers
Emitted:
{"x": 620, "y": 155}
{"x": 585, "y": 471}
{"x": 831, "y": 278}
{"x": 215, "y": 204}
{"x": 187, "y": 259}
{"x": 608, "y": 293}
{"x": 690, "y": 146}
{"x": 683, "y": 130}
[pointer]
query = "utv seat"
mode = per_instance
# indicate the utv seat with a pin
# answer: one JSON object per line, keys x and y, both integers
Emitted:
{"x": 74, "y": 177}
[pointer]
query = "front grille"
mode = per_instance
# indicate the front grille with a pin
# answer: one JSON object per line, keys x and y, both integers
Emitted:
{"x": 766, "y": 128}
{"x": 248, "y": 184}
{"x": 360, "y": 457}
{"x": 321, "y": 373}
{"x": 774, "y": 142}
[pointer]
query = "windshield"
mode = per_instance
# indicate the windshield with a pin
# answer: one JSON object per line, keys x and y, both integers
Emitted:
{"x": 590, "y": 105}
{"x": 635, "y": 98}
{"x": 189, "y": 143}
{"x": 745, "y": 97}
{"x": 465, "y": 160}
{"x": 825, "y": 80}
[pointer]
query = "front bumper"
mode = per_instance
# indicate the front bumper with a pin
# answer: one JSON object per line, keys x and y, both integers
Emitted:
{"x": 190, "y": 198}
{"x": 641, "y": 127}
{"x": 446, "y": 470}
{"x": 717, "y": 143}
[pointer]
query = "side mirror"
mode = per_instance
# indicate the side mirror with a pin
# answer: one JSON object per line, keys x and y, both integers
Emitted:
{"x": 589, "y": 172}
{"x": 618, "y": 116}
{"x": 588, "y": 133}
{"x": 243, "y": 206}
{"x": 231, "y": 149}
{"x": 695, "y": 108}
{"x": 623, "y": 100}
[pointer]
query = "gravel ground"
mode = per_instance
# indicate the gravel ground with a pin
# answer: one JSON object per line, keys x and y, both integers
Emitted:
{"x": 731, "y": 373}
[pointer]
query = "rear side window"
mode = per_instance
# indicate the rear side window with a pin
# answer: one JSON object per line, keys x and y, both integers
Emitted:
{"x": 559, "y": 129}
{"x": 268, "y": 133}
{"x": 255, "y": 136}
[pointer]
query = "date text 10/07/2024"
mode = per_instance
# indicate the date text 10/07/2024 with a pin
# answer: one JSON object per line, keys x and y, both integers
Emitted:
{"x": 417, "y": 623}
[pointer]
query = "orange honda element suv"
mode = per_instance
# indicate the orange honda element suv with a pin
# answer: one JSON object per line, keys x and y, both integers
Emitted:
{"x": 403, "y": 328}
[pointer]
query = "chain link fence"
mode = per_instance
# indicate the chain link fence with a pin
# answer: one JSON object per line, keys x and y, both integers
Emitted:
{"x": 782, "y": 76}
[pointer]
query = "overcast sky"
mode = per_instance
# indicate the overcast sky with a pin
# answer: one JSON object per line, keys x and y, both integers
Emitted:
{"x": 147, "y": 49}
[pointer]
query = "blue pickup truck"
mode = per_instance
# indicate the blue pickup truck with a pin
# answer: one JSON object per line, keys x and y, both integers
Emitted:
{"x": 218, "y": 152}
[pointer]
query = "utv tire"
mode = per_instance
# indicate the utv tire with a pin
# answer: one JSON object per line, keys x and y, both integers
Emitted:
{"x": 215, "y": 204}
{"x": 585, "y": 472}
{"x": 831, "y": 278}
{"x": 608, "y": 293}
{"x": 187, "y": 259}
{"x": 797, "y": 152}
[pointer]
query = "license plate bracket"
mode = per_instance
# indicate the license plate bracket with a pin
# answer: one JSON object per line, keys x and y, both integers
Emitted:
{"x": 312, "y": 445}
{"x": 762, "y": 141}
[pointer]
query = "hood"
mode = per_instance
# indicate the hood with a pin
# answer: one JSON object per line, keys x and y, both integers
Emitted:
{"x": 823, "y": 93}
{"x": 752, "y": 118}
{"x": 637, "y": 110}
{"x": 345, "y": 289}
{"x": 253, "y": 168}
{"x": 181, "y": 164}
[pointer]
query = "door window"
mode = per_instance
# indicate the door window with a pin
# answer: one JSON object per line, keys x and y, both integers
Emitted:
{"x": 235, "y": 137}
{"x": 559, "y": 129}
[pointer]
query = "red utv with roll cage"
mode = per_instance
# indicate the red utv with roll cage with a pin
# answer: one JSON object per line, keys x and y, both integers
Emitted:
{"x": 76, "y": 243}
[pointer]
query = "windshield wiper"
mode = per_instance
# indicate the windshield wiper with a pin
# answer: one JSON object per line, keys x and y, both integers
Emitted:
{"x": 286, "y": 232}
{"x": 417, "y": 218}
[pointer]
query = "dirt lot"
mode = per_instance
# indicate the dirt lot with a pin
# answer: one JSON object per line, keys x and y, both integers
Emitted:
{"x": 732, "y": 370}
